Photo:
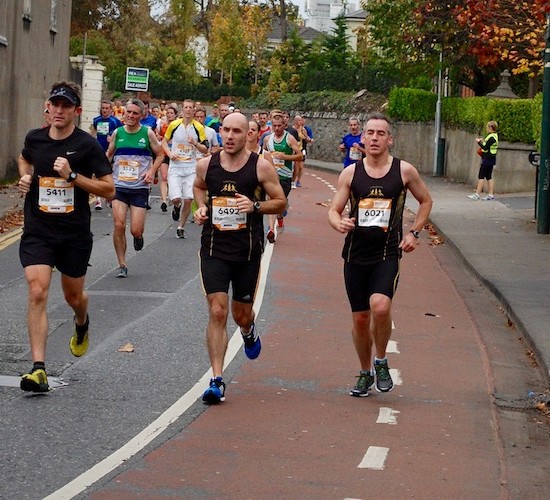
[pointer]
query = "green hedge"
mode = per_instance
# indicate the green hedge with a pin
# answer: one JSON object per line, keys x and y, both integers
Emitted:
{"x": 519, "y": 119}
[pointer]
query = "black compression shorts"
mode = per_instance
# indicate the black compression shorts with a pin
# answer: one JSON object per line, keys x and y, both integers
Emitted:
{"x": 217, "y": 274}
{"x": 364, "y": 280}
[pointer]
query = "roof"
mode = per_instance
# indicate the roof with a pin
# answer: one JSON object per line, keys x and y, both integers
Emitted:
{"x": 356, "y": 14}
{"x": 306, "y": 33}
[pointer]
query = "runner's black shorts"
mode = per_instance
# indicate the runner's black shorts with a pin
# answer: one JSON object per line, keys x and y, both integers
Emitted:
{"x": 70, "y": 256}
{"x": 133, "y": 197}
{"x": 217, "y": 274}
{"x": 286, "y": 184}
{"x": 364, "y": 280}
{"x": 485, "y": 171}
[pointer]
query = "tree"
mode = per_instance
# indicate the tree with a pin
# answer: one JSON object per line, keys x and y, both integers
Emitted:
{"x": 257, "y": 25}
{"x": 226, "y": 52}
{"x": 507, "y": 33}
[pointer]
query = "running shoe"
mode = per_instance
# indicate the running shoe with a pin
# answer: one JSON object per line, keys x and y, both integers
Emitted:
{"x": 252, "y": 343}
{"x": 35, "y": 381}
{"x": 98, "y": 205}
{"x": 271, "y": 236}
{"x": 122, "y": 272}
{"x": 215, "y": 393}
{"x": 176, "y": 213}
{"x": 280, "y": 225}
{"x": 164, "y": 206}
{"x": 79, "y": 341}
{"x": 138, "y": 243}
{"x": 180, "y": 233}
{"x": 489, "y": 197}
{"x": 384, "y": 382}
{"x": 298, "y": 184}
{"x": 474, "y": 196}
{"x": 293, "y": 185}
{"x": 365, "y": 380}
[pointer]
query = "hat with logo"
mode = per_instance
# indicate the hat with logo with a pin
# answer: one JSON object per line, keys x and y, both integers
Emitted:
{"x": 65, "y": 93}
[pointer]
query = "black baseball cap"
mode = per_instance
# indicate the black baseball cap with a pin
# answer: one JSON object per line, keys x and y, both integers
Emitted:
{"x": 65, "y": 93}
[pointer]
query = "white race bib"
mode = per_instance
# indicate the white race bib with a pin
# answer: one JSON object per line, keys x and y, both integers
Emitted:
{"x": 128, "y": 170}
{"x": 226, "y": 215}
{"x": 103, "y": 128}
{"x": 354, "y": 154}
{"x": 374, "y": 212}
{"x": 55, "y": 195}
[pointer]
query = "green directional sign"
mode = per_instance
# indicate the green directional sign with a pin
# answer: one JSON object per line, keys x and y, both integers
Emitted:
{"x": 137, "y": 79}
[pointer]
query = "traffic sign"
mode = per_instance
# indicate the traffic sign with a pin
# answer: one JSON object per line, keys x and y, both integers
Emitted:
{"x": 137, "y": 79}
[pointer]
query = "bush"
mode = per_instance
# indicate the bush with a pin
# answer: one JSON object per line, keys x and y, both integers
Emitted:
{"x": 517, "y": 118}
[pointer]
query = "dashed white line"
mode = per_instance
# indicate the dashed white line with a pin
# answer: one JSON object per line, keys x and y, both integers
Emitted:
{"x": 387, "y": 416}
{"x": 375, "y": 458}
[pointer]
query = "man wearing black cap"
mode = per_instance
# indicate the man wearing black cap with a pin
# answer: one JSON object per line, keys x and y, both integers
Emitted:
{"x": 59, "y": 166}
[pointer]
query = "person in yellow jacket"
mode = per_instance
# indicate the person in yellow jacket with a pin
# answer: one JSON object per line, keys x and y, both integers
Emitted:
{"x": 488, "y": 151}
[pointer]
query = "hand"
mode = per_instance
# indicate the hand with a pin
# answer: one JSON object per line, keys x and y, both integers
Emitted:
{"x": 408, "y": 243}
{"x": 201, "y": 215}
{"x": 149, "y": 175}
{"x": 244, "y": 204}
{"x": 62, "y": 167}
{"x": 346, "y": 224}
{"x": 25, "y": 183}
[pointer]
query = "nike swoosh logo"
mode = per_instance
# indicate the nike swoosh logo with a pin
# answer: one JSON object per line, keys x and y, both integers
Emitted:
{"x": 70, "y": 152}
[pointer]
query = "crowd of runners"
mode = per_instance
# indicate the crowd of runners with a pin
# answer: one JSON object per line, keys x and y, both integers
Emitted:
{"x": 223, "y": 171}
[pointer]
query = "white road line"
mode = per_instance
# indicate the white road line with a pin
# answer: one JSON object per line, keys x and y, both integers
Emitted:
{"x": 387, "y": 416}
{"x": 396, "y": 376}
{"x": 153, "y": 430}
{"x": 375, "y": 458}
{"x": 392, "y": 347}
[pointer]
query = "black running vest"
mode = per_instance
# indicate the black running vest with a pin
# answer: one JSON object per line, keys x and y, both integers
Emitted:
{"x": 225, "y": 234}
{"x": 377, "y": 205}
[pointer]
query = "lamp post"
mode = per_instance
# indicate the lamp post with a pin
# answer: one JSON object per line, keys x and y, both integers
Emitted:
{"x": 439, "y": 145}
{"x": 543, "y": 199}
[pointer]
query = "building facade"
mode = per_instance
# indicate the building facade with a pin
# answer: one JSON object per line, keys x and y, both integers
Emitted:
{"x": 34, "y": 53}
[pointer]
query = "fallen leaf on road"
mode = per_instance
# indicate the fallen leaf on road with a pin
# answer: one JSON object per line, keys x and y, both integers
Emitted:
{"x": 128, "y": 347}
{"x": 322, "y": 203}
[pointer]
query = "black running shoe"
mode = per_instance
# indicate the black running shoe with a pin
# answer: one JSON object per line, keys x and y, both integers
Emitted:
{"x": 176, "y": 213}
{"x": 138, "y": 243}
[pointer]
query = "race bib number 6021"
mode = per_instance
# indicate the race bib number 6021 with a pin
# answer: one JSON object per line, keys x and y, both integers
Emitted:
{"x": 374, "y": 212}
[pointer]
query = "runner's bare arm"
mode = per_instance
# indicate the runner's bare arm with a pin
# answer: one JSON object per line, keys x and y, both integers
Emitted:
{"x": 339, "y": 202}
{"x": 157, "y": 149}
{"x": 25, "y": 173}
{"x": 111, "y": 148}
{"x": 414, "y": 183}
{"x": 200, "y": 192}
{"x": 270, "y": 182}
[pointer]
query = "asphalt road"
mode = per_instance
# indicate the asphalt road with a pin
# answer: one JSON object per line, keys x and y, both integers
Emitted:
{"x": 457, "y": 425}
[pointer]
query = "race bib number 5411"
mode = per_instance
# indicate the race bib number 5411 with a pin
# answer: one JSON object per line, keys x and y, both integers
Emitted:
{"x": 374, "y": 212}
{"x": 55, "y": 195}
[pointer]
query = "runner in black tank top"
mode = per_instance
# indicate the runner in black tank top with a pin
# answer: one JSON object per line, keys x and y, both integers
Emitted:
{"x": 376, "y": 188}
{"x": 377, "y": 205}
{"x": 230, "y": 190}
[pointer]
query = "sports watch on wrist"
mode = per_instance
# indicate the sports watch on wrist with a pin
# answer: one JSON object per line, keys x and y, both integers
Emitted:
{"x": 256, "y": 206}
{"x": 72, "y": 177}
{"x": 416, "y": 234}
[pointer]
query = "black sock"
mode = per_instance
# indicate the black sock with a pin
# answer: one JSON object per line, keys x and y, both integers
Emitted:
{"x": 82, "y": 329}
{"x": 39, "y": 365}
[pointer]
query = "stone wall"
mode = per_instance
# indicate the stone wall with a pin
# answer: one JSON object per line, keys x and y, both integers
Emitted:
{"x": 415, "y": 143}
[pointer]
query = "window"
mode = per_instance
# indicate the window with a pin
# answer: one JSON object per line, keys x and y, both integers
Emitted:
{"x": 27, "y": 15}
{"x": 53, "y": 17}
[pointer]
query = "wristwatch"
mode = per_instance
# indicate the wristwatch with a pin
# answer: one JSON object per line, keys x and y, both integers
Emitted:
{"x": 256, "y": 206}
{"x": 72, "y": 177}
{"x": 416, "y": 234}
